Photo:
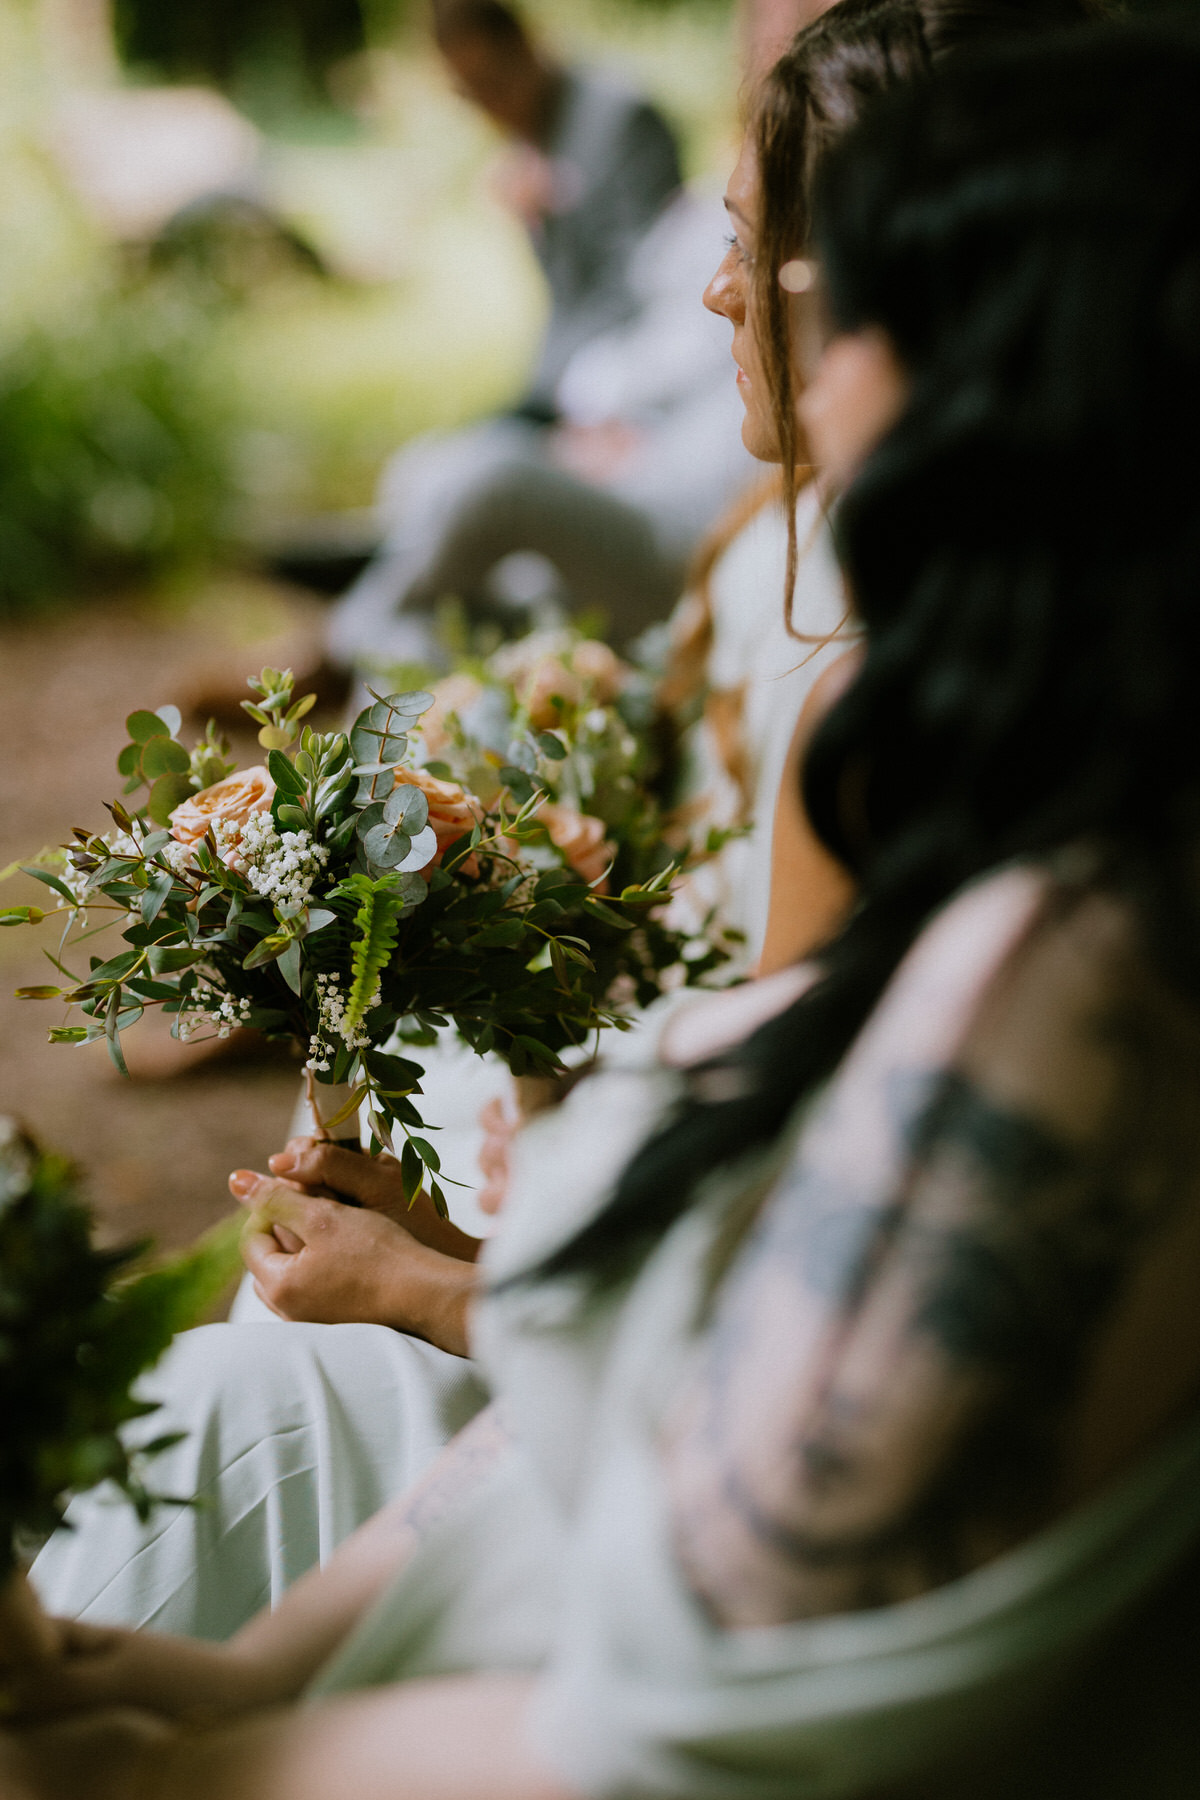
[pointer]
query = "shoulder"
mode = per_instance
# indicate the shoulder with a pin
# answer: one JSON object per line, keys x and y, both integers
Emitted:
{"x": 600, "y": 103}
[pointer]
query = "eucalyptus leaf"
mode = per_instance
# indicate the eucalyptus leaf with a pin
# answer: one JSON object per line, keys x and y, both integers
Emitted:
{"x": 292, "y": 818}
{"x": 376, "y": 768}
{"x": 129, "y": 759}
{"x": 407, "y": 807}
{"x": 387, "y": 849}
{"x": 318, "y": 918}
{"x": 369, "y": 816}
{"x": 171, "y": 717}
{"x": 422, "y": 852}
{"x": 168, "y": 792}
{"x": 412, "y": 888}
{"x": 364, "y": 743}
{"x": 411, "y": 706}
{"x": 144, "y": 725}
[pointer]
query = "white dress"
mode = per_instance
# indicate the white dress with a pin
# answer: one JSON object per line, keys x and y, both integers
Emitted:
{"x": 769, "y": 675}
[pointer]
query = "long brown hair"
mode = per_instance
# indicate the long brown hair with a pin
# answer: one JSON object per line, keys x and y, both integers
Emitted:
{"x": 819, "y": 87}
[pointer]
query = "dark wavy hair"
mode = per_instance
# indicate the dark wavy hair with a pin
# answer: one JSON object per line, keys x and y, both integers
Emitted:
{"x": 1024, "y": 545}
{"x": 832, "y": 70}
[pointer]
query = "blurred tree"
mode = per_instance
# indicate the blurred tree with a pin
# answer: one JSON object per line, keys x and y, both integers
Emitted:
{"x": 219, "y": 39}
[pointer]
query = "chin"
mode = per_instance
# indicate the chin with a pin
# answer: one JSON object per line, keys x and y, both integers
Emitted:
{"x": 761, "y": 444}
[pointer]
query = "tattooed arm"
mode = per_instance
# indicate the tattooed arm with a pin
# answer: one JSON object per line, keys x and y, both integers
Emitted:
{"x": 969, "y": 1299}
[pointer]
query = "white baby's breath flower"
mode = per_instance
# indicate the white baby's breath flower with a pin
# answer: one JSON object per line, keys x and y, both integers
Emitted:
{"x": 281, "y": 866}
{"x": 211, "y": 1012}
{"x": 331, "y": 1023}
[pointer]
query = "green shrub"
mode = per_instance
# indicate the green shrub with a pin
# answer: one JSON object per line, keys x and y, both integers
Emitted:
{"x": 112, "y": 449}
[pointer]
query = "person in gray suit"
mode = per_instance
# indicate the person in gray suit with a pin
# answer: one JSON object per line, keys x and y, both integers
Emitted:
{"x": 592, "y": 507}
{"x": 592, "y": 163}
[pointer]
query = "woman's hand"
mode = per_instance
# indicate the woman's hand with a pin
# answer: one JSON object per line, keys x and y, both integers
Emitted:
{"x": 102, "y": 1666}
{"x": 321, "y": 1167}
{"x": 314, "y": 1259}
{"x": 503, "y": 1117}
{"x": 103, "y": 1756}
{"x": 500, "y": 1121}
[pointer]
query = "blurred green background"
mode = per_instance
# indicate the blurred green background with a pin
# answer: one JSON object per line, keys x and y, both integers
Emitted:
{"x": 174, "y": 393}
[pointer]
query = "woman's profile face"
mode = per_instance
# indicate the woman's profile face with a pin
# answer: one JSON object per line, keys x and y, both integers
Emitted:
{"x": 730, "y": 293}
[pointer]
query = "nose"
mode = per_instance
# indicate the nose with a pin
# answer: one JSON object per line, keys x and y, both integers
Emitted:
{"x": 723, "y": 294}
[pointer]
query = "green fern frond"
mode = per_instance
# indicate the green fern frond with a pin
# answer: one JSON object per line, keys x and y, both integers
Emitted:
{"x": 375, "y": 925}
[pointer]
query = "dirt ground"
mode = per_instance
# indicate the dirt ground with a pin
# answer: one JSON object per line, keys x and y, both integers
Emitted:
{"x": 157, "y": 1151}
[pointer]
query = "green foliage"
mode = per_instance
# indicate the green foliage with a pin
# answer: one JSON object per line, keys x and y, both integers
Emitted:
{"x": 112, "y": 451}
{"x": 77, "y": 1328}
{"x": 274, "y": 709}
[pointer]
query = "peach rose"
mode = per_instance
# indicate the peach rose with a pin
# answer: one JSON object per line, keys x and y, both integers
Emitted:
{"x": 547, "y": 664}
{"x": 580, "y": 837}
{"x": 226, "y": 806}
{"x": 452, "y": 811}
{"x": 601, "y": 668}
{"x": 545, "y": 682}
{"x": 455, "y": 694}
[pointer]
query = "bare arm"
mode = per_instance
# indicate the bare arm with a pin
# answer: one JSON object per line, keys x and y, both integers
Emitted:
{"x": 811, "y": 893}
{"x": 274, "y": 1657}
{"x": 968, "y": 1302}
{"x": 453, "y": 1739}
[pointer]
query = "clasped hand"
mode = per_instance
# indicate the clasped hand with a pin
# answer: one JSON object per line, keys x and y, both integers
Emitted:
{"x": 378, "y": 1262}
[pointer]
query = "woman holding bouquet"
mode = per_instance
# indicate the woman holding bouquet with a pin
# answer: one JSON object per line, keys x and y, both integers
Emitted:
{"x": 296, "y": 1437}
{"x": 842, "y": 1422}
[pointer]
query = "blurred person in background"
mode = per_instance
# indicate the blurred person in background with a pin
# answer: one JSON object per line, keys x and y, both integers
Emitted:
{"x": 591, "y": 164}
{"x": 606, "y": 471}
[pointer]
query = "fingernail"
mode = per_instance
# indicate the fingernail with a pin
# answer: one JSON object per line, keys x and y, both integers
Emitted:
{"x": 243, "y": 1183}
{"x": 282, "y": 1162}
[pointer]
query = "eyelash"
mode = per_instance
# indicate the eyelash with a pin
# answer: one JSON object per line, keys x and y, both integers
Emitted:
{"x": 743, "y": 256}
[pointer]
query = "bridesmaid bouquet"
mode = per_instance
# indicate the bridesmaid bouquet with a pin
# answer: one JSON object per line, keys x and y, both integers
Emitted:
{"x": 78, "y": 1325}
{"x": 485, "y": 856}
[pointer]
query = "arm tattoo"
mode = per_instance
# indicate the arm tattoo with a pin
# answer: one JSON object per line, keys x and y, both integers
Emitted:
{"x": 885, "y": 1387}
{"x": 467, "y": 1461}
